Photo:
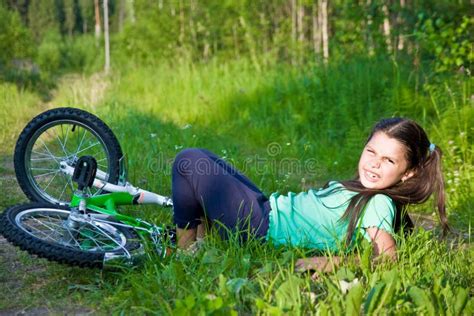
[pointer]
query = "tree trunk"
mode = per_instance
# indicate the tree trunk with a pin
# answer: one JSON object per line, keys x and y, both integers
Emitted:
{"x": 69, "y": 17}
{"x": 85, "y": 7}
{"x": 192, "y": 29}
{"x": 97, "y": 19}
{"x": 293, "y": 31}
{"x": 106, "y": 37}
{"x": 181, "y": 24}
{"x": 401, "y": 39}
{"x": 131, "y": 11}
{"x": 316, "y": 31}
{"x": 300, "y": 21}
{"x": 250, "y": 43}
{"x": 386, "y": 27}
{"x": 121, "y": 15}
{"x": 264, "y": 24}
{"x": 325, "y": 36}
{"x": 207, "y": 36}
{"x": 236, "y": 41}
{"x": 301, "y": 37}
{"x": 369, "y": 39}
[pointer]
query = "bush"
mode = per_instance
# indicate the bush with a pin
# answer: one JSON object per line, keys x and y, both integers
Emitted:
{"x": 81, "y": 54}
{"x": 449, "y": 44}
{"x": 15, "y": 39}
{"x": 49, "y": 54}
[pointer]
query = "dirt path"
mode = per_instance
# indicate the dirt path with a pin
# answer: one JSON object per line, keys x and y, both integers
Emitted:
{"x": 32, "y": 286}
{"x": 25, "y": 280}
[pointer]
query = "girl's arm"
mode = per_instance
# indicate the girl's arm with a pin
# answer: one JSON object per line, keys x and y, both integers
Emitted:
{"x": 382, "y": 242}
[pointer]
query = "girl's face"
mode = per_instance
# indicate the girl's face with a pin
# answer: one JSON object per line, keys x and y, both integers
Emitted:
{"x": 383, "y": 163}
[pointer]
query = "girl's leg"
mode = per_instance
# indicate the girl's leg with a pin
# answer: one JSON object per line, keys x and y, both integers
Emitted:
{"x": 203, "y": 181}
{"x": 185, "y": 237}
{"x": 187, "y": 209}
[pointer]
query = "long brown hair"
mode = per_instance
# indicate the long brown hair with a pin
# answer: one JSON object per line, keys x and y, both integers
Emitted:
{"x": 423, "y": 158}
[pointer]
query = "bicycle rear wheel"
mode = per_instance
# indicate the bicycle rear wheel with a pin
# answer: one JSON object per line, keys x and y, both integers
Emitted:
{"x": 47, "y": 231}
{"x": 61, "y": 136}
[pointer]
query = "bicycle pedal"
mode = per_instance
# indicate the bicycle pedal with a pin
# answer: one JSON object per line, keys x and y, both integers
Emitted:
{"x": 85, "y": 171}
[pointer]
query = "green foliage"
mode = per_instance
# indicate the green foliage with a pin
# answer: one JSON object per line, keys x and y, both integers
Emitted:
{"x": 449, "y": 43}
{"x": 57, "y": 55}
{"x": 16, "y": 109}
{"x": 81, "y": 55}
{"x": 264, "y": 32}
{"x": 43, "y": 18}
{"x": 442, "y": 300}
{"x": 49, "y": 54}
{"x": 15, "y": 39}
{"x": 17, "y": 52}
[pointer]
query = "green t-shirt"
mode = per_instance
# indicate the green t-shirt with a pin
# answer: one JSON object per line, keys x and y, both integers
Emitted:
{"x": 312, "y": 219}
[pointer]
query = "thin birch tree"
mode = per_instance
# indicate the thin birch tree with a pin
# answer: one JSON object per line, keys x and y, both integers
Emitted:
{"x": 106, "y": 37}
{"x": 386, "y": 27}
{"x": 324, "y": 29}
{"x": 316, "y": 30}
{"x": 97, "y": 19}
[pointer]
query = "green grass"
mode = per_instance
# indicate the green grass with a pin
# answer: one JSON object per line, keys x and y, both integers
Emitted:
{"x": 287, "y": 129}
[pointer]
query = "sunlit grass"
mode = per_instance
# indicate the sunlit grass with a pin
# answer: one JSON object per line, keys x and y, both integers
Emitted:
{"x": 321, "y": 114}
{"x": 287, "y": 129}
{"x": 16, "y": 109}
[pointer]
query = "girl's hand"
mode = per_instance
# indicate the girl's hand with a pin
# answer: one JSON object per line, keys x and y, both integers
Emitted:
{"x": 306, "y": 264}
{"x": 320, "y": 264}
{"x": 383, "y": 244}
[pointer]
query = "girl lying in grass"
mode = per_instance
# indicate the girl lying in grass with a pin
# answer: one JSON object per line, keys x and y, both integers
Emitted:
{"x": 398, "y": 166}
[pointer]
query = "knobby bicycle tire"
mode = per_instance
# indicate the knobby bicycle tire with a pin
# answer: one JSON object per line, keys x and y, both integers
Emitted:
{"x": 25, "y": 226}
{"x": 38, "y": 132}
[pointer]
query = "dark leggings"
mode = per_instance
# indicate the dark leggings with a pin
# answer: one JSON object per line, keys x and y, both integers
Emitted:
{"x": 205, "y": 185}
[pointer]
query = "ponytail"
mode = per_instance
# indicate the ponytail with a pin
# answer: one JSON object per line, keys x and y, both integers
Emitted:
{"x": 432, "y": 173}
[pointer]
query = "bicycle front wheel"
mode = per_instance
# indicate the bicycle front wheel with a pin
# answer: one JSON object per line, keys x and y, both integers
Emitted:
{"x": 48, "y": 231}
{"x": 62, "y": 136}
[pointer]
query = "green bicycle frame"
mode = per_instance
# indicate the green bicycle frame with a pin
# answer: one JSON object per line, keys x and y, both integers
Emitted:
{"x": 106, "y": 204}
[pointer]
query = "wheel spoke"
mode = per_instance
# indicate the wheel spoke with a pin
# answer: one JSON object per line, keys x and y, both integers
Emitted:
{"x": 42, "y": 233}
{"x": 45, "y": 174}
{"x": 63, "y": 140}
{"x": 80, "y": 143}
{"x": 67, "y": 133}
{"x": 54, "y": 230}
{"x": 100, "y": 244}
{"x": 42, "y": 223}
{"x": 44, "y": 169}
{"x": 108, "y": 236}
{"x": 43, "y": 154}
{"x": 47, "y": 149}
{"x": 90, "y": 238}
{"x": 90, "y": 146}
{"x": 64, "y": 189}
{"x": 73, "y": 238}
{"x": 49, "y": 225}
{"x": 63, "y": 145}
{"x": 59, "y": 140}
{"x": 69, "y": 181}
{"x": 51, "y": 181}
{"x": 40, "y": 159}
